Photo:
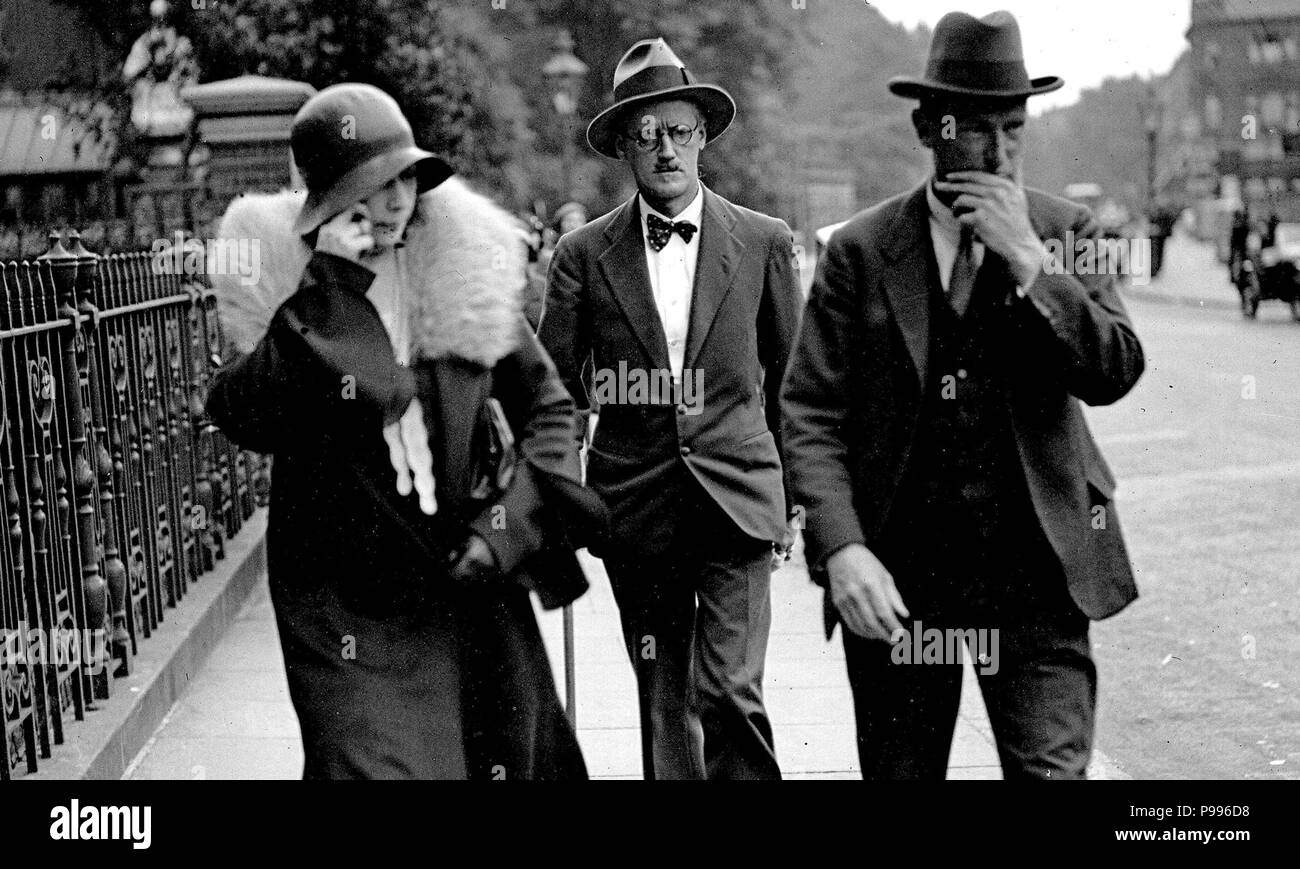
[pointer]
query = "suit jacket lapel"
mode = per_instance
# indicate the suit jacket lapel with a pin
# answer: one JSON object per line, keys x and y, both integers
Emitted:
{"x": 906, "y": 278}
{"x": 715, "y": 270}
{"x": 624, "y": 268}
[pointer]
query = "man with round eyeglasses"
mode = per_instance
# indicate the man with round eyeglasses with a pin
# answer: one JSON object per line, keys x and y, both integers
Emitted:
{"x": 697, "y": 297}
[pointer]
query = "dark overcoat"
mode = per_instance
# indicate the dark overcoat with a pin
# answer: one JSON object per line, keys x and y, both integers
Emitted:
{"x": 853, "y": 392}
{"x": 601, "y": 325}
{"x": 396, "y": 671}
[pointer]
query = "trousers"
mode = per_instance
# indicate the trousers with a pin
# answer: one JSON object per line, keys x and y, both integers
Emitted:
{"x": 695, "y": 622}
{"x": 1038, "y": 680}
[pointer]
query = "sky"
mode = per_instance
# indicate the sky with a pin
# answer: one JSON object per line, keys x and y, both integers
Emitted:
{"x": 1083, "y": 42}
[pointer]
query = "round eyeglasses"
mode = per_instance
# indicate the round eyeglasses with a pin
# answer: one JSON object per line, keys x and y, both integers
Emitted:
{"x": 646, "y": 138}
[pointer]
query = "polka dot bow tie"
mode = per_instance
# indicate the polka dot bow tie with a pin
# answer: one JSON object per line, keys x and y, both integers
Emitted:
{"x": 658, "y": 231}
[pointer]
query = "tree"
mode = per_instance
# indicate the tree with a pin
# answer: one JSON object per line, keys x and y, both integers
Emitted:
{"x": 438, "y": 60}
{"x": 842, "y": 94}
{"x": 1099, "y": 139}
{"x": 742, "y": 45}
{"x": 468, "y": 76}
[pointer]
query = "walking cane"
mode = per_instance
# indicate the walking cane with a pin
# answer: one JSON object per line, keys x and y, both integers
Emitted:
{"x": 570, "y": 681}
{"x": 570, "y": 670}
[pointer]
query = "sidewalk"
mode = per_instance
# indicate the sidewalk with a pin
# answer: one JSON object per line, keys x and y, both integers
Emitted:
{"x": 1191, "y": 275}
{"x": 235, "y": 722}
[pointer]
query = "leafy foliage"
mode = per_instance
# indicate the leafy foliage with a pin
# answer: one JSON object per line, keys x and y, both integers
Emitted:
{"x": 844, "y": 104}
{"x": 743, "y": 45}
{"x": 436, "y": 59}
{"x": 468, "y": 75}
{"x": 1100, "y": 139}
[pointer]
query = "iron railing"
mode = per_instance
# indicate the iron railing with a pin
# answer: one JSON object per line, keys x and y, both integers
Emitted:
{"x": 118, "y": 492}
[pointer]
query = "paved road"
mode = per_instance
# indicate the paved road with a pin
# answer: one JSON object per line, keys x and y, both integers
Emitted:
{"x": 1199, "y": 677}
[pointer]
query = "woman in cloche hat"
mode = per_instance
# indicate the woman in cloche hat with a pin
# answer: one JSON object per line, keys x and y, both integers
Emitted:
{"x": 385, "y": 335}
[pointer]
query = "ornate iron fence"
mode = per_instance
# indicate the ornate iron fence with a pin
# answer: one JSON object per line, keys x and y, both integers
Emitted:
{"x": 118, "y": 492}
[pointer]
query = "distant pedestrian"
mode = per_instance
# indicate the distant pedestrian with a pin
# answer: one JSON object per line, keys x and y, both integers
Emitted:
{"x": 934, "y": 434}
{"x": 533, "y": 235}
{"x": 1238, "y": 242}
{"x": 383, "y": 362}
{"x": 1270, "y": 230}
{"x": 569, "y": 217}
{"x": 1161, "y": 222}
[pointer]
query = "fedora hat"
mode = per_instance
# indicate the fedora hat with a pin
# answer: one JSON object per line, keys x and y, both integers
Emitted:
{"x": 348, "y": 141}
{"x": 651, "y": 72}
{"x": 977, "y": 57}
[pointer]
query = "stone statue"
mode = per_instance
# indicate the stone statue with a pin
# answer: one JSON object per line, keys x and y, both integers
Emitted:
{"x": 161, "y": 62}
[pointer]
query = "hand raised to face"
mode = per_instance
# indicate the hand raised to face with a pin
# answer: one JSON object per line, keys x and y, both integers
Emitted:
{"x": 998, "y": 210}
{"x": 348, "y": 234}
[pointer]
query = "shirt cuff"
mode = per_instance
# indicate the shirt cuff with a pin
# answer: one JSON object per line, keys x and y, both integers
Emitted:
{"x": 1022, "y": 290}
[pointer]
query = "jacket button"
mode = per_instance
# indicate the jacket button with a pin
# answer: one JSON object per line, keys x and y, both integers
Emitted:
{"x": 686, "y": 451}
{"x": 681, "y": 410}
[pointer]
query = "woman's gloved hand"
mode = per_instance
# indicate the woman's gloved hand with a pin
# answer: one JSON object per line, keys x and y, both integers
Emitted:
{"x": 476, "y": 564}
{"x": 408, "y": 451}
{"x": 348, "y": 234}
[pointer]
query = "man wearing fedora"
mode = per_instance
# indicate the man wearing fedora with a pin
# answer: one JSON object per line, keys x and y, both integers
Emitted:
{"x": 683, "y": 287}
{"x": 934, "y": 433}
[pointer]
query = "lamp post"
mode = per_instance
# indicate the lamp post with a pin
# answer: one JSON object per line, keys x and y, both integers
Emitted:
{"x": 1152, "y": 111}
{"x": 564, "y": 74}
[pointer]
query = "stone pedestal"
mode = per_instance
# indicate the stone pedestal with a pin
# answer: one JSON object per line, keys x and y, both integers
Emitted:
{"x": 243, "y": 129}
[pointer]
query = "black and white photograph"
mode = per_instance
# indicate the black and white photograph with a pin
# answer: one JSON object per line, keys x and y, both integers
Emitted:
{"x": 568, "y": 390}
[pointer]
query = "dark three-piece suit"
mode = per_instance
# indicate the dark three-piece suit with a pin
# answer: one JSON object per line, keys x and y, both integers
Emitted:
{"x": 696, "y": 493}
{"x": 955, "y": 448}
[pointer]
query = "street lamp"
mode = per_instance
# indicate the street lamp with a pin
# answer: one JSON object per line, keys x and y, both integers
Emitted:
{"x": 564, "y": 74}
{"x": 1152, "y": 111}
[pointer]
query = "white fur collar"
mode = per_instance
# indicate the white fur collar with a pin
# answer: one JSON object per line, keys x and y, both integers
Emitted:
{"x": 465, "y": 263}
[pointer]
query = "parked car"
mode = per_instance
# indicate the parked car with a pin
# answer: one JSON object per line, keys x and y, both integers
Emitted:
{"x": 1271, "y": 272}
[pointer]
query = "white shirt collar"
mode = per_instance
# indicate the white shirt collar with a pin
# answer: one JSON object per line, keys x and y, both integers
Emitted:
{"x": 691, "y": 212}
{"x": 941, "y": 215}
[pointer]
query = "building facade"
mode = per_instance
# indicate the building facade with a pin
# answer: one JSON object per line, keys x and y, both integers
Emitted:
{"x": 1245, "y": 89}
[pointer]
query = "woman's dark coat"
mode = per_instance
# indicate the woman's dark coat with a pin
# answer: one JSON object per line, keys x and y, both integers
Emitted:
{"x": 396, "y": 670}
